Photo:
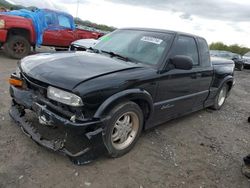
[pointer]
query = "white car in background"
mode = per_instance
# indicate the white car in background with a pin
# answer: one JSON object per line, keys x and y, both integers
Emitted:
{"x": 82, "y": 44}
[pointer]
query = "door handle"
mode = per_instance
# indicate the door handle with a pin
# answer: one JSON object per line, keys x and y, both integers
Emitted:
{"x": 196, "y": 75}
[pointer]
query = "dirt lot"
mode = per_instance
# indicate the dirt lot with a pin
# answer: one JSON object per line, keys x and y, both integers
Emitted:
{"x": 204, "y": 149}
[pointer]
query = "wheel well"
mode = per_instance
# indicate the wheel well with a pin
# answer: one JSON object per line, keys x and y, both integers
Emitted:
{"x": 19, "y": 31}
{"x": 230, "y": 85}
{"x": 144, "y": 107}
{"x": 143, "y": 104}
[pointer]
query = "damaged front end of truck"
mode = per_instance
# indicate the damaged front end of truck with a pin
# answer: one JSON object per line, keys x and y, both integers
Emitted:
{"x": 53, "y": 125}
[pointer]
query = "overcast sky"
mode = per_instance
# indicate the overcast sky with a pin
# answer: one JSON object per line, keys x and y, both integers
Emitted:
{"x": 216, "y": 20}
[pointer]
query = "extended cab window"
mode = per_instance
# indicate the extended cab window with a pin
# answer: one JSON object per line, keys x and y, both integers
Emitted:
{"x": 64, "y": 21}
{"x": 186, "y": 46}
{"x": 204, "y": 52}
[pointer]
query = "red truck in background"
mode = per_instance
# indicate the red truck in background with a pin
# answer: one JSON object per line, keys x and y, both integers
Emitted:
{"x": 18, "y": 34}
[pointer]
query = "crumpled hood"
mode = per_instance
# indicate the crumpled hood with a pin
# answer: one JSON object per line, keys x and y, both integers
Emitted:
{"x": 67, "y": 70}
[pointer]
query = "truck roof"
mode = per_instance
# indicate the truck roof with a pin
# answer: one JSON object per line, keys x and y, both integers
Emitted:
{"x": 162, "y": 31}
{"x": 58, "y": 12}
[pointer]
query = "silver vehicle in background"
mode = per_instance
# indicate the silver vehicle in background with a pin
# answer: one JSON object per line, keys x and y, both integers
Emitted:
{"x": 236, "y": 58}
{"x": 246, "y": 58}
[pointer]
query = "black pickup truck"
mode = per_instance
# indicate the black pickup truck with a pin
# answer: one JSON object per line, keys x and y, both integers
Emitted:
{"x": 84, "y": 104}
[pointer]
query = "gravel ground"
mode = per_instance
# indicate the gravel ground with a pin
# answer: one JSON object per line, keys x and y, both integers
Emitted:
{"x": 204, "y": 149}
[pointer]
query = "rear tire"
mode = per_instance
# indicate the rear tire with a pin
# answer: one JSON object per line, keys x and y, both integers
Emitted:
{"x": 220, "y": 97}
{"x": 123, "y": 128}
{"x": 17, "y": 47}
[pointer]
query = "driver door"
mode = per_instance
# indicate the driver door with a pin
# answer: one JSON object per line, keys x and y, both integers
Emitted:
{"x": 178, "y": 89}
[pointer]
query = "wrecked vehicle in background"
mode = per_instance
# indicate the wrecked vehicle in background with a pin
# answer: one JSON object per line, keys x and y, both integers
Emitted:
{"x": 21, "y": 29}
{"x": 237, "y": 58}
{"x": 85, "y": 104}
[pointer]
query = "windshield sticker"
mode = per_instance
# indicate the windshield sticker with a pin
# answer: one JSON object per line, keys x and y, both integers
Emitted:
{"x": 151, "y": 40}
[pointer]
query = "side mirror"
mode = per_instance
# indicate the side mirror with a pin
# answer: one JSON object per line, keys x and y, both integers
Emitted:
{"x": 182, "y": 62}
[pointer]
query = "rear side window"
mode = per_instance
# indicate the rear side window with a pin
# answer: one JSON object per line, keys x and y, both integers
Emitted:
{"x": 50, "y": 19}
{"x": 204, "y": 52}
{"x": 186, "y": 46}
{"x": 64, "y": 21}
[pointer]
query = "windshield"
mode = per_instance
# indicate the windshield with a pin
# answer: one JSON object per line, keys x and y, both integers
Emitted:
{"x": 142, "y": 46}
{"x": 247, "y": 54}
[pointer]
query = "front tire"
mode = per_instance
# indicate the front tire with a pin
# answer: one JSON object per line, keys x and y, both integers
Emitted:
{"x": 123, "y": 128}
{"x": 220, "y": 97}
{"x": 17, "y": 47}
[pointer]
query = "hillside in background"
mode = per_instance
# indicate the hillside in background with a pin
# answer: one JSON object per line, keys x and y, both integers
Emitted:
{"x": 235, "y": 48}
{"x": 78, "y": 21}
{"x": 87, "y": 23}
{"x": 10, "y": 6}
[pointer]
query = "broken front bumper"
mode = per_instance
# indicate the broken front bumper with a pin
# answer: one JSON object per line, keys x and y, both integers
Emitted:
{"x": 81, "y": 141}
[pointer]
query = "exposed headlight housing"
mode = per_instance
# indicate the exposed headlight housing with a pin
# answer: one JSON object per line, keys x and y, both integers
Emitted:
{"x": 18, "y": 72}
{"x": 2, "y": 24}
{"x": 64, "y": 97}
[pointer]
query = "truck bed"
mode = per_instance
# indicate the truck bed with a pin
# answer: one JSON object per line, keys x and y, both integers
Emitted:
{"x": 221, "y": 61}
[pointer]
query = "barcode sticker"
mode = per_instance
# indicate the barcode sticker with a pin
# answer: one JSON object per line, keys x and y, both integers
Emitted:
{"x": 151, "y": 40}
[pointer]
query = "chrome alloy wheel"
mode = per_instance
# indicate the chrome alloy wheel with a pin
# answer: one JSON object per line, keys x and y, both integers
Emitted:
{"x": 125, "y": 130}
{"x": 222, "y": 96}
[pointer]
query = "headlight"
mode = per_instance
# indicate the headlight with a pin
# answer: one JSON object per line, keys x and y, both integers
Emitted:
{"x": 2, "y": 24}
{"x": 64, "y": 97}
